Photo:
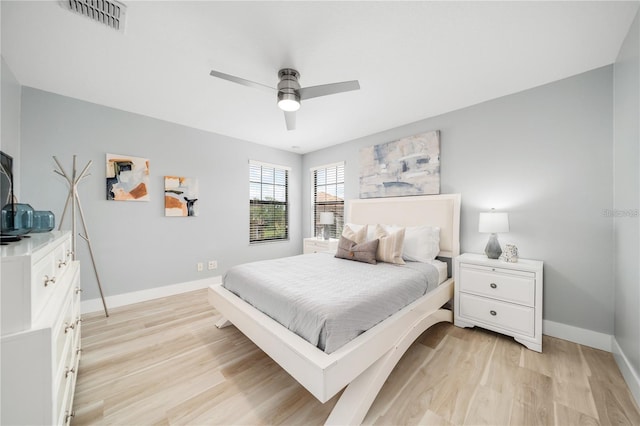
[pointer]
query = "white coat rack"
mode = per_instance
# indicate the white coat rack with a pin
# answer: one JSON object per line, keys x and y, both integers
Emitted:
{"x": 73, "y": 199}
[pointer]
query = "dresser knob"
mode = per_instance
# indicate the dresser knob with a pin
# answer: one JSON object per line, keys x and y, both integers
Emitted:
{"x": 68, "y": 327}
{"x": 78, "y": 351}
{"x": 61, "y": 263}
{"x": 493, "y": 285}
{"x": 78, "y": 290}
{"x": 48, "y": 280}
{"x": 69, "y": 253}
{"x": 494, "y": 313}
{"x": 69, "y": 416}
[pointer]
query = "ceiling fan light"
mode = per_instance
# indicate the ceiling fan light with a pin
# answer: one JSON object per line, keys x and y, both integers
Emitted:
{"x": 288, "y": 102}
{"x": 289, "y": 105}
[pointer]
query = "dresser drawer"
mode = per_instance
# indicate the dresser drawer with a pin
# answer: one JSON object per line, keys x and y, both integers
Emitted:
{"x": 63, "y": 393}
{"x": 62, "y": 257}
{"x": 68, "y": 405}
{"x": 43, "y": 280}
{"x": 504, "y": 284}
{"x": 498, "y": 314}
{"x": 67, "y": 374}
{"x": 63, "y": 335}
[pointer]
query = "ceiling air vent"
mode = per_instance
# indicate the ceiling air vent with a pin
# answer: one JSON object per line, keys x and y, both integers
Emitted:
{"x": 107, "y": 12}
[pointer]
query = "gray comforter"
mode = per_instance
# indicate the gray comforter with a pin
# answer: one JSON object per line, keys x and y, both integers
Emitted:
{"x": 329, "y": 301}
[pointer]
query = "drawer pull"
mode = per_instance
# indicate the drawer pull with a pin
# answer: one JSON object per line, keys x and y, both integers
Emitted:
{"x": 493, "y": 285}
{"x": 68, "y": 371}
{"x": 78, "y": 290}
{"x": 494, "y": 313}
{"x": 78, "y": 321}
{"x": 69, "y": 253}
{"x": 69, "y": 416}
{"x": 48, "y": 280}
{"x": 61, "y": 263}
{"x": 68, "y": 326}
{"x": 78, "y": 351}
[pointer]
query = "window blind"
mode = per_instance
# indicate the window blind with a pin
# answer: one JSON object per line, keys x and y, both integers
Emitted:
{"x": 268, "y": 202}
{"x": 328, "y": 196}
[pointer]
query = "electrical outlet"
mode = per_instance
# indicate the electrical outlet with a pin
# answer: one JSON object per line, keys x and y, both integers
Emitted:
{"x": 200, "y": 266}
{"x": 213, "y": 264}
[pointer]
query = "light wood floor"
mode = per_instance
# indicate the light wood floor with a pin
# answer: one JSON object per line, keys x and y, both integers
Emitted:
{"x": 164, "y": 362}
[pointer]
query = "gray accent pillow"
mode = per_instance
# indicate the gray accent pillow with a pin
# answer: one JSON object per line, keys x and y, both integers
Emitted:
{"x": 364, "y": 252}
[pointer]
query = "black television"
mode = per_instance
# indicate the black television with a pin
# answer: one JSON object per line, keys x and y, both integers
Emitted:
{"x": 6, "y": 190}
{"x": 6, "y": 179}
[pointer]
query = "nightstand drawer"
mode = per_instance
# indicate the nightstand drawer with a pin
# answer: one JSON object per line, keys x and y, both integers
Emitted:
{"x": 503, "y": 284}
{"x": 313, "y": 245}
{"x": 499, "y": 315}
{"x": 317, "y": 244}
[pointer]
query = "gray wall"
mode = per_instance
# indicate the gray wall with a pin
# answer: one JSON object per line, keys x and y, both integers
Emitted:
{"x": 626, "y": 196}
{"x": 543, "y": 155}
{"x": 136, "y": 246}
{"x": 10, "y": 92}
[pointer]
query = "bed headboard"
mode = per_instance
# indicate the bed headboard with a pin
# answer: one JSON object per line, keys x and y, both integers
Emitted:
{"x": 434, "y": 210}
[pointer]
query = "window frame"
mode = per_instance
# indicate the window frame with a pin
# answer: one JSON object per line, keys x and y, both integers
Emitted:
{"x": 268, "y": 203}
{"x": 338, "y": 206}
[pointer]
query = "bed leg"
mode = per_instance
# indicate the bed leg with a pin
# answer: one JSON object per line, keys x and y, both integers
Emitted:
{"x": 357, "y": 398}
{"x": 223, "y": 322}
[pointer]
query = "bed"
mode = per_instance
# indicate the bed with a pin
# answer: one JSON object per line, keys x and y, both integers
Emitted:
{"x": 363, "y": 364}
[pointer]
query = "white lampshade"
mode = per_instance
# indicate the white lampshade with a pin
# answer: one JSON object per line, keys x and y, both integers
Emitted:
{"x": 326, "y": 218}
{"x": 493, "y": 222}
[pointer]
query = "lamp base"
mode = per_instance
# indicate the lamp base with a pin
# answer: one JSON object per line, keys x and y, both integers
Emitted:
{"x": 493, "y": 250}
{"x": 325, "y": 232}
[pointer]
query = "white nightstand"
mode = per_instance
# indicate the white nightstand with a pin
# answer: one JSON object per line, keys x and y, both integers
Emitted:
{"x": 500, "y": 296}
{"x": 314, "y": 245}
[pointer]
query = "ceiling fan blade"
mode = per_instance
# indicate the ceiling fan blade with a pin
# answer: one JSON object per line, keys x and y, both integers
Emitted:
{"x": 328, "y": 89}
{"x": 290, "y": 119}
{"x": 241, "y": 81}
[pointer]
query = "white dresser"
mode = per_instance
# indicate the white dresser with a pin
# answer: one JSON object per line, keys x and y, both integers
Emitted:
{"x": 314, "y": 245}
{"x": 41, "y": 323}
{"x": 500, "y": 296}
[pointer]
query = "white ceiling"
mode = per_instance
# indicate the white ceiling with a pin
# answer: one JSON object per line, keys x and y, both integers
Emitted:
{"x": 413, "y": 59}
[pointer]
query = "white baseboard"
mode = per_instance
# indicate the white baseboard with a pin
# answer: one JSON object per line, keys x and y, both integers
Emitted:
{"x": 94, "y": 305}
{"x": 582, "y": 336}
{"x": 628, "y": 372}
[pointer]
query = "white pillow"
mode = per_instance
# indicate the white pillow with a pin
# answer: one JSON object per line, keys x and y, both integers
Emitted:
{"x": 355, "y": 233}
{"x": 371, "y": 230}
{"x": 421, "y": 243}
{"x": 390, "y": 245}
{"x": 354, "y": 226}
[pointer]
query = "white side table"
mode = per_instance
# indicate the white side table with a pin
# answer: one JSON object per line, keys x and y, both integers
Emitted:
{"x": 500, "y": 296}
{"x": 314, "y": 245}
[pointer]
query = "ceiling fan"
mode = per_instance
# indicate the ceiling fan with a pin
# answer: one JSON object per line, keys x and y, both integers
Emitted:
{"x": 289, "y": 91}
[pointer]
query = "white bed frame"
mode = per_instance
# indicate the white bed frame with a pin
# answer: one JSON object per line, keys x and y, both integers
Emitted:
{"x": 364, "y": 363}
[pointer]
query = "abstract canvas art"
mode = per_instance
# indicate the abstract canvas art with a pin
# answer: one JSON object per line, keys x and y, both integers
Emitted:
{"x": 407, "y": 166}
{"x": 180, "y": 196}
{"x": 127, "y": 178}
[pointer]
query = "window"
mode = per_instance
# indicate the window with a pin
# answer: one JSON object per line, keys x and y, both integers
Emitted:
{"x": 328, "y": 196}
{"x": 268, "y": 202}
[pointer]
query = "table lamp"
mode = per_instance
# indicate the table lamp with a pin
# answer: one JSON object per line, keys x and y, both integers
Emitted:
{"x": 326, "y": 218}
{"x": 491, "y": 223}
